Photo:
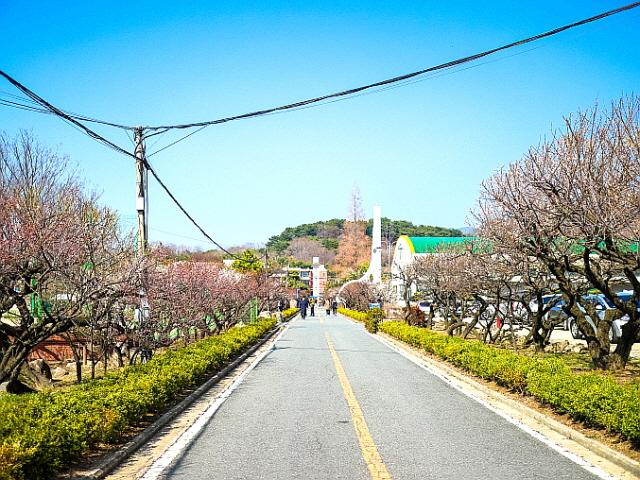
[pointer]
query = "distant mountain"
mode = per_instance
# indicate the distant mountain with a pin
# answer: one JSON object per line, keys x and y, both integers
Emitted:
{"x": 392, "y": 229}
{"x": 468, "y": 231}
{"x": 328, "y": 232}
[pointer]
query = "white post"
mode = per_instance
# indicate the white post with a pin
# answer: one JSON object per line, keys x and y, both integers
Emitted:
{"x": 316, "y": 277}
{"x": 375, "y": 267}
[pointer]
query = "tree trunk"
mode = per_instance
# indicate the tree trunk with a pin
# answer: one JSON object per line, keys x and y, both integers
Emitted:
{"x": 453, "y": 327}
{"x": 119, "y": 358}
{"x": 470, "y": 326}
{"x": 540, "y": 332}
{"x": 11, "y": 363}
{"x": 93, "y": 357}
{"x": 430, "y": 316}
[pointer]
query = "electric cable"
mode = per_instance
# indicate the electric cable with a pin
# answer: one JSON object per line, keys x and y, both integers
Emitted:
{"x": 400, "y": 78}
{"x": 33, "y": 108}
{"x": 178, "y": 141}
{"x": 397, "y": 84}
{"x": 434, "y": 75}
{"x": 77, "y": 124}
{"x": 48, "y": 107}
{"x": 75, "y": 120}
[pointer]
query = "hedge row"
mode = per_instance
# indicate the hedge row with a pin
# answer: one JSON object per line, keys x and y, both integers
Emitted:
{"x": 41, "y": 432}
{"x": 355, "y": 314}
{"x": 593, "y": 398}
{"x": 370, "y": 318}
{"x": 289, "y": 313}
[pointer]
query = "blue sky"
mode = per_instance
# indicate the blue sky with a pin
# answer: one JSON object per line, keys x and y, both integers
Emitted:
{"x": 419, "y": 151}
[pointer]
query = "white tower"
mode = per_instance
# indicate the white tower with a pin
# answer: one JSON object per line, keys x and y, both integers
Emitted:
{"x": 375, "y": 267}
{"x": 374, "y": 272}
{"x": 316, "y": 276}
{"x": 373, "y": 275}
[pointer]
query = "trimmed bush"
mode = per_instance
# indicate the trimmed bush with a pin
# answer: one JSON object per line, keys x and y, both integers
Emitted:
{"x": 289, "y": 313}
{"x": 42, "y": 432}
{"x": 370, "y": 318}
{"x": 593, "y": 398}
{"x": 355, "y": 314}
{"x": 374, "y": 317}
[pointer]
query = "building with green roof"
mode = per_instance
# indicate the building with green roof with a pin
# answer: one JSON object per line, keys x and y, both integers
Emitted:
{"x": 408, "y": 248}
{"x": 424, "y": 245}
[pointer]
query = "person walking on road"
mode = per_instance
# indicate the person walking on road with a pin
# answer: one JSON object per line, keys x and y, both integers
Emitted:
{"x": 312, "y": 304}
{"x": 327, "y": 305}
{"x": 303, "y": 303}
{"x": 334, "y": 306}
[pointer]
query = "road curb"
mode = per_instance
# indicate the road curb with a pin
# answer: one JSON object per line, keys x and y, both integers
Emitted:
{"x": 114, "y": 459}
{"x": 616, "y": 458}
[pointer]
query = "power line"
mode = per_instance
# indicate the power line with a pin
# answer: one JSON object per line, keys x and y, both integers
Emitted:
{"x": 31, "y": 107}
{"x": 399, "y": 84}
{"x": 187, "y": 214}
{"x": 399, "y": 78}
{"x": 37, "y": 101}
{"x": 21, "y": 106}
{"x": 444, "y": 72}
{"x": 394, "y": 82}
{"x": 56, "y": 111}
{"x": 177, "y": 141}
{"x": 75, "y": 120}
{"x": 83, "y": 128}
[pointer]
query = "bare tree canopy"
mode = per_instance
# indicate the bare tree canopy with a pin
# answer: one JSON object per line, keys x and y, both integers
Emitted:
{"x": 63, "y": 261}
{"x": 356, "y": 212}
{"x": 573, "y": 204}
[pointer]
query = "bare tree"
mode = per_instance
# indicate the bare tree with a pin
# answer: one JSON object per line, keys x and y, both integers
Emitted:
{"x": 354, "y": 249}
{"x": 358, "y": 295}
{"x": 356, "y": 212}
{"x": 573, "y": 203}
{"x": 58, "y": 260}
{"x": 304, "y": 249}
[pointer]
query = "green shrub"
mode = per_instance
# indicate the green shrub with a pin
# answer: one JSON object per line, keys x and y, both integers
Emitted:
{"x": 370, "y": 318}
{"x": 593, "y": 398}
{"x": 355, "y": 314}
{"x": 41, "y": 432}
{"x": 374, "y": 317}
{"x": 289, "y": 313}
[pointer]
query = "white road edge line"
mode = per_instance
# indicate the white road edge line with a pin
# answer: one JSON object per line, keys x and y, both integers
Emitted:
{"x": 535, "y": 434}
{"x": 174, "y": 451}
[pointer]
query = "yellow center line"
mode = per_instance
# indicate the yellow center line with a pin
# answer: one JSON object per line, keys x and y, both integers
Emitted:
{"x": 377, "y": 468}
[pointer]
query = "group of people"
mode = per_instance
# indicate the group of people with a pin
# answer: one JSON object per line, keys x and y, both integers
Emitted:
{"x": 305, "y": 303}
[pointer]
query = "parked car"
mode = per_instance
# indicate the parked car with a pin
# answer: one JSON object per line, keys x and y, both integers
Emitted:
{"x": 424, "y": 305}
{"x": 546, "y": 299}
{"x": 602, "y": 305}
{"x": 556, "y": 314}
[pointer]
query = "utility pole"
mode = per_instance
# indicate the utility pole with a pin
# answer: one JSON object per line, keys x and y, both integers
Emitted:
{"x": 141, "y": 190}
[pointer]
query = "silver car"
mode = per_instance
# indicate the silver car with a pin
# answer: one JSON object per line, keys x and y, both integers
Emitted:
{"x": 602, "y": 305}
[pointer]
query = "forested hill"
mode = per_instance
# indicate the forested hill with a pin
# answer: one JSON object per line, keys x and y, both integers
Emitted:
{"x": 327, "y": 232}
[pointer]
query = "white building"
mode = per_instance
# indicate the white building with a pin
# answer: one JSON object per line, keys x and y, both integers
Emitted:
{"x": 407, "y": 250}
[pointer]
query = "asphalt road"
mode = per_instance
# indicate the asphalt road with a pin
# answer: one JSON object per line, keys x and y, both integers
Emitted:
{"x": 331, "y": 402}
